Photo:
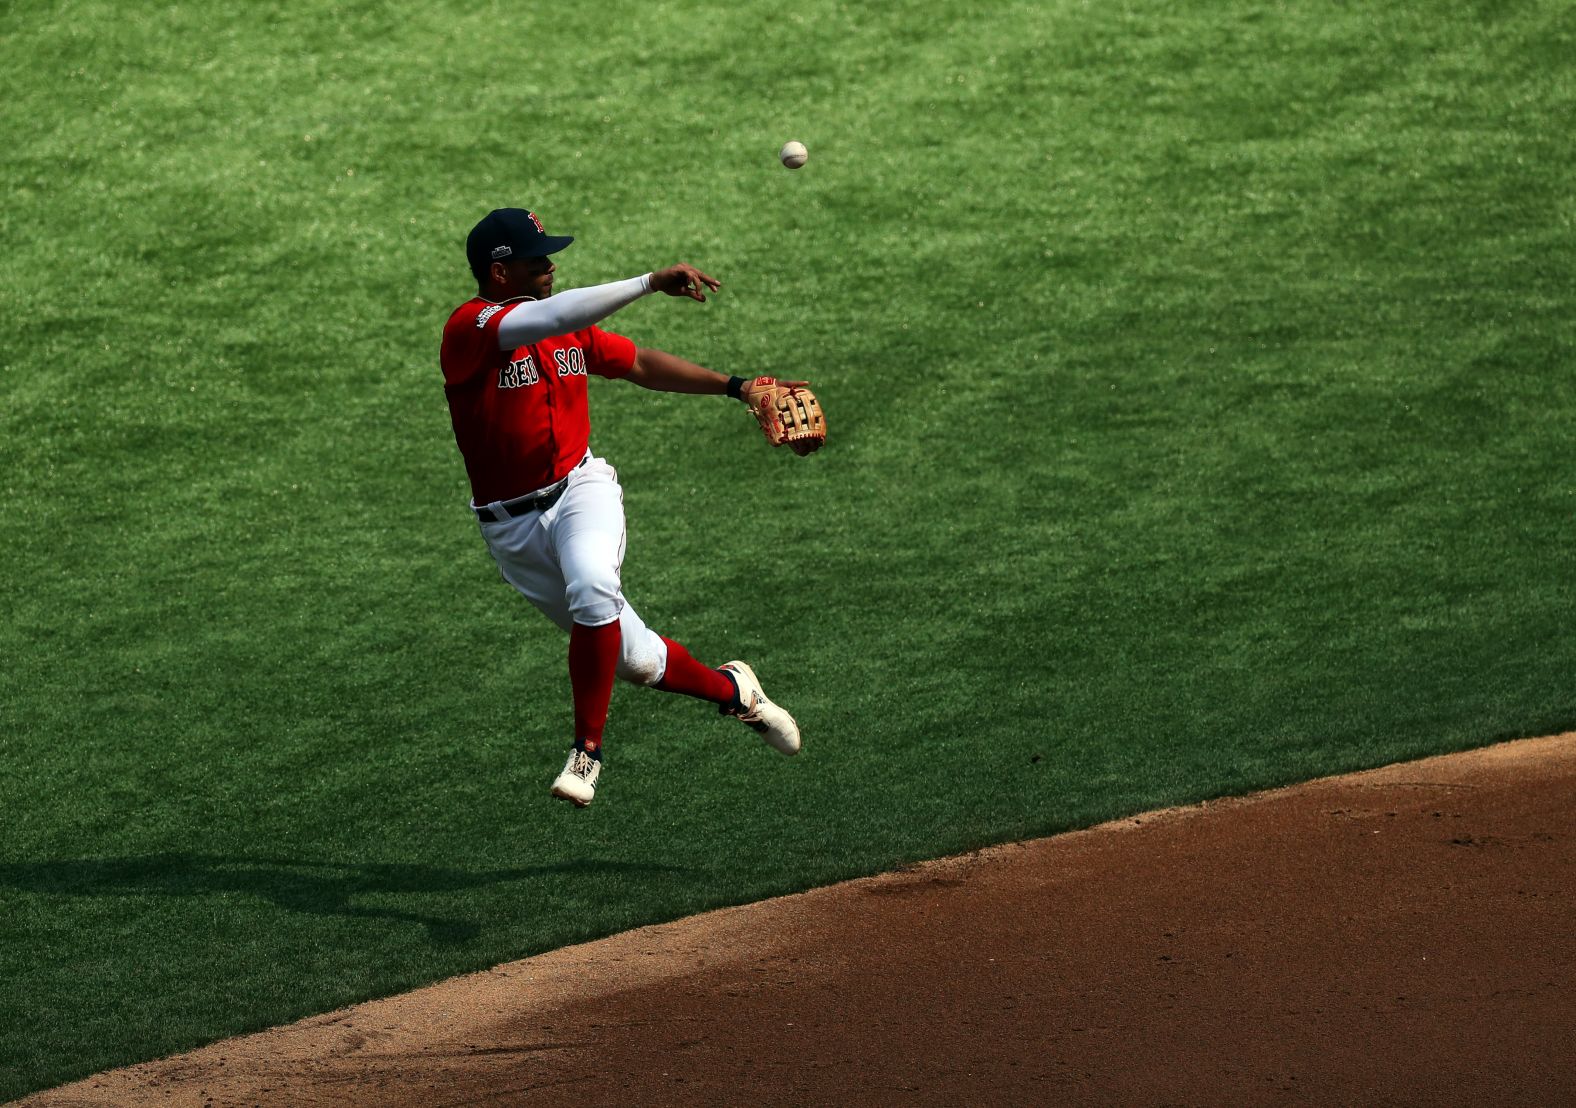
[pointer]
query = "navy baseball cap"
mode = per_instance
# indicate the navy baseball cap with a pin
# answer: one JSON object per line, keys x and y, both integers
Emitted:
{"x": 507, "y": 233}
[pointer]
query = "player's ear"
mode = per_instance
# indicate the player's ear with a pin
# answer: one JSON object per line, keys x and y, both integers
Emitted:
{"x": 499, "y": 273}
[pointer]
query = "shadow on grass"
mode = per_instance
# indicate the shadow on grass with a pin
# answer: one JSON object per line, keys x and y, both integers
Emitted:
{"x": 318, "y": 888}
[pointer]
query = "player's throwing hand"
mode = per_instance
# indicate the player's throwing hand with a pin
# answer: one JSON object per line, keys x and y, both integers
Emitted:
{"x": 683, "y": 279}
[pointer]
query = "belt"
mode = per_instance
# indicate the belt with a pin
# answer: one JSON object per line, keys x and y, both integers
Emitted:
{"x": 536, "y": 502}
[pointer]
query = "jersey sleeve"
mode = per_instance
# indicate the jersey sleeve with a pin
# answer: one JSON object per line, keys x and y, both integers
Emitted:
{"x": 607, "y": 354}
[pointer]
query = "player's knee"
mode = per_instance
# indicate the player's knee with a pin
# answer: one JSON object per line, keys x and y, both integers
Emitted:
{"x": 643, "y": 656}
{"x": 594, "y": 599}
{"x": 640, "y": 666}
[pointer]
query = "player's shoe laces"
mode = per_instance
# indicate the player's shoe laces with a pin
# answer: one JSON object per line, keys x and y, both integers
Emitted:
{"x": 577, "y": 783}
{"x": 774, "y": 724}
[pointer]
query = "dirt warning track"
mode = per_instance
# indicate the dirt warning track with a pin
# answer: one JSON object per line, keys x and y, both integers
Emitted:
{"x": 1401, "y": 936}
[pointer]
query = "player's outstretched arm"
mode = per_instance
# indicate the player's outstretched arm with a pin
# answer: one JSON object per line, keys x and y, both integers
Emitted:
{"x": 577, "y": 309}
{"x": 663, "y": 372}
{"x": 788, "y": 412}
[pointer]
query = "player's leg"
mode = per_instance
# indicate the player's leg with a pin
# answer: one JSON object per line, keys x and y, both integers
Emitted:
{"x": 533, "y": 571}
{"x": 684, "y": 674}
{"x": 593, "y": 657}
{"x": 587, "y": 530}
{"x": 526, "y": 552}
{"x": 525, "y": 560}
{"x": 733, "y": 687}
{"x": 589, "y": 535}
{"x": 658, "y": 661}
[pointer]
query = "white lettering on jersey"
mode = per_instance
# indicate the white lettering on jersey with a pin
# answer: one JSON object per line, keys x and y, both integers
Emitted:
{"x": 519, "y": 374}
{"x": 570, "y": 362}
{"x": 487, "y": 313}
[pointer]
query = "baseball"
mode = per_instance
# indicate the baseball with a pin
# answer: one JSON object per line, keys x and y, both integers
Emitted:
{"x": 793, "y": 154}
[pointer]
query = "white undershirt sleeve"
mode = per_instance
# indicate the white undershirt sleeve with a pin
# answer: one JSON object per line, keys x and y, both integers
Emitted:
{"x": 533, "y": 320}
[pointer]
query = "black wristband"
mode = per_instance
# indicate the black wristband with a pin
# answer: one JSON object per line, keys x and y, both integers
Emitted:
{"x": 734, "y": 385}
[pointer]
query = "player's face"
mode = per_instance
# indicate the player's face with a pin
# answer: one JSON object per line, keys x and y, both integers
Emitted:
{"x": 532, "y": 277}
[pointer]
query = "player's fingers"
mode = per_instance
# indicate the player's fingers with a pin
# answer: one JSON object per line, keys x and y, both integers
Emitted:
{"x": 696, "y": 282}
{"x": 687, "y": 284}
{"x": 683, "y": 279}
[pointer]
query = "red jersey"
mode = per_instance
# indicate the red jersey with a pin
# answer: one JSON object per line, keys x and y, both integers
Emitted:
{"x": 521, "y": 417}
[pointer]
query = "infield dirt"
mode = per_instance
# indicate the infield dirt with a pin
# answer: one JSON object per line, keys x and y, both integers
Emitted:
{"x": 1402, "y": 935}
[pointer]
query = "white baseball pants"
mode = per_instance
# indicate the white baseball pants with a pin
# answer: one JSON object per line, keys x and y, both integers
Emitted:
{"x": 567, "y": 561}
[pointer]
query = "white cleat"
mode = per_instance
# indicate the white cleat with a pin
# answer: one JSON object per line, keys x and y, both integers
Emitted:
{"x": 775, "y": 725}
{"x": 577, "y": 783}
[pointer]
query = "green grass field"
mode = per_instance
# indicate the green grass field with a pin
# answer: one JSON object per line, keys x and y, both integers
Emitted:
{"x": 1200, "y": 387}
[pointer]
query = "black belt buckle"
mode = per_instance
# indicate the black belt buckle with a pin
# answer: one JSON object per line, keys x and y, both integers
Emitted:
{"x": 524, "y": 504}
{"x": 542, "y": 503}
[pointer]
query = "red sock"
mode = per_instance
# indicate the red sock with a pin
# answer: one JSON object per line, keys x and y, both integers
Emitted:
{"x": 593, "y": 655}
{"x": 685, "y": 675}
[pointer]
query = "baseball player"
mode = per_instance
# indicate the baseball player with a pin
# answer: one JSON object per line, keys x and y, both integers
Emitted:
{"x": 515, "y": 361}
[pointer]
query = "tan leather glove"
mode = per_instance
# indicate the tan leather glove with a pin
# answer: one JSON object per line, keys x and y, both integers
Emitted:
{"x": 789, "y": 414}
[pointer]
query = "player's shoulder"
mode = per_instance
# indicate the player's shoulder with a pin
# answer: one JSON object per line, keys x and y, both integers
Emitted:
{"x": 475, "y": 312}
{"x": 468, "y": 343}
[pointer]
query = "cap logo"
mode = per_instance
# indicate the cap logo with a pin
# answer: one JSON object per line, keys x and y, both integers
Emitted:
{"x": 532, "y": 217}
{"x": 501, "y": 252}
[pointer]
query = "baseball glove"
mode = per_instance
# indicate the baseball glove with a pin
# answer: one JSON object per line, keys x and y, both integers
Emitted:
{"x": 789, "y": 413}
